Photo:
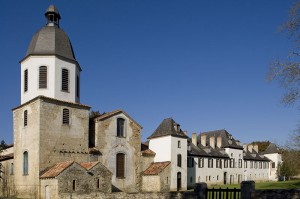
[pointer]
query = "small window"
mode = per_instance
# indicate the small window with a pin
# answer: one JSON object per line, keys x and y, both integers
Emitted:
{"x": 179, "y": 144}
{"x": 74, "y": 185}
{"x": 120, "y": 165}
{"x": 200, "y": 162}
{"x": 225, "y": 163}
{"x": 66, "y": 116}
{"x": 191, "y": 179}
{"x": 43, "y": 77}
{"x": 273, "y": 164}
{"x": 179, "y": 160}
{"x": 120, "y": 127}
{"x": 77, "y": 86}
{"x": 26, "y": 80}
{"x": 98, "y": 183}
{"x": 167, "y": 180}
{"x": 245, "y": 163}
{"x": 210, "y": 163}
{"x": 25, "y": 118}
{"x": 12, "y": 169}
{"x": 65, "y": 80}
{"x": 25, "y": 163}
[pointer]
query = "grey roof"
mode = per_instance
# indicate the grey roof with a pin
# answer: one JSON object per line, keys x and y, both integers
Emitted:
{"x": 166, "y": 128}
{"x": 254, "y": 156}
{"x": 51, "y": 40}
{"x": 227, "y": 140}
{"x": 202, "y": 151}
{"x": 272, "y": 148}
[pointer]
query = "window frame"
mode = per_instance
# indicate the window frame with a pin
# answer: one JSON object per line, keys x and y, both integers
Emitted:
{"x": 121, "y": 128}
{"x": 43, "y": 77}
{"x": 25, "y": 80}
{"x": 120, "y": 165}
{"x": 25, "y": 118}
{"x": 65, "y": 80}
{"x": 179, "y": 160}
{"x": 66, "y": 116}
{"x": 25, "y": 163}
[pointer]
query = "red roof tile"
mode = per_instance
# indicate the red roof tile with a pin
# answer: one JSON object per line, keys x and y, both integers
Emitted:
{"x": 156, "y": 168}
{"x": 148, "y": 152}
{"x": 57, "y": 169}
{"x": 88, "y": 165}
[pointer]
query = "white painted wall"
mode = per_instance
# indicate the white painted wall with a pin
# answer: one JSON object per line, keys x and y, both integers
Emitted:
{"x": 277, "y": 159}
{"x": 162, "y": 146}
{"x": 54, "y": 67}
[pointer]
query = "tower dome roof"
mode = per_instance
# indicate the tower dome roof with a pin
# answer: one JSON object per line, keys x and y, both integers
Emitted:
{"x": 51, "y": 40}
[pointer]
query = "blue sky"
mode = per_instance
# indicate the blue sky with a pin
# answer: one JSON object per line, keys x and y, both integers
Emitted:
{"x": 201, "y": 62}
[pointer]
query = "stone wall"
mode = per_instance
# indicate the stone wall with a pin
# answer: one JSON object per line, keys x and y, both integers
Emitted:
{"x": 7, "y": 187}
{"x": 276, "y": 194}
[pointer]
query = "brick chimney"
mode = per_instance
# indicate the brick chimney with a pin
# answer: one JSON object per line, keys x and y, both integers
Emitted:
{"x": 219, "y": 141}
{"x": 203, "y": 140}
{"x": 194, "y": 138}
{"x": 212, "y": 142}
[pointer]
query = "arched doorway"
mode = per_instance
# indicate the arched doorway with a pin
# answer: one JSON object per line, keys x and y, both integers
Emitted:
{"x": 178, "y": 181}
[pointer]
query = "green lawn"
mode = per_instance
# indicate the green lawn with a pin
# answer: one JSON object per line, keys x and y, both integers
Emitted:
{"x": 292, "y": 184}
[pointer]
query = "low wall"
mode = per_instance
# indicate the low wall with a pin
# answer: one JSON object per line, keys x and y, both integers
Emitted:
{"x": 122, "y": 195}
{"x": 276, "y": 194}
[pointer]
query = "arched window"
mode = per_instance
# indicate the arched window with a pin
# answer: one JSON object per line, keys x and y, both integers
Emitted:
{"x": 43, "y": 77}
{"x": 179, "y": 160}
{"x": 26, "y": 80}
{"x": 120, "y": 127}
{"x": 65, "y": 80}
{"x": 12, "y": 169}
{"x": 25, "y": 117}
{"x": 120, "y": 165}
{"x": 66, "y": 116}
{"x": 25, "y": 163}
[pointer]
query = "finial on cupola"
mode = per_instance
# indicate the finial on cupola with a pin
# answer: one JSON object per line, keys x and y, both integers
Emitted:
{"x": 52, "y": 16}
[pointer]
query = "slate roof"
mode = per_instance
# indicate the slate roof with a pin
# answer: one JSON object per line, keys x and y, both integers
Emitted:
{"x": 56, "y": 169}
{"x": 227, "y": 140}
{"x": 51, "y": 40}
{"x": 113, "y": 113}
{"x": 166, "y": 128}
{"x": 156, "y": 168}
{"x": 272, "y": 148}
{"x": 254, "y": 156}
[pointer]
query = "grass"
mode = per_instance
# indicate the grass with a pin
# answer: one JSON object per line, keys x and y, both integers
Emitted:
{"x": 292, "y": 184}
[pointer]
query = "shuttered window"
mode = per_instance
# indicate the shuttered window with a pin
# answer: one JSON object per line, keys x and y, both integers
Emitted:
{"x": 26, "y": 80}
{"x": 25, "y": 118}
{"x": 43, "y": 77}
{"x": 120, "y": 127}
{"x": 25, "y": 163}
{"x": 120, "y": 165}
{"x": 66, "y": 116}
{"x": 65, "y": 80}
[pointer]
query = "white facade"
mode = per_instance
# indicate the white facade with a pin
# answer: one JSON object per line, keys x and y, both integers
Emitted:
{"x": 276, "y": 160}
{"x": 54, "y": 78}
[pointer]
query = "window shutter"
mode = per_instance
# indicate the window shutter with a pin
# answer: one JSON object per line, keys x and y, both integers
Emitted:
{"x": 65, "y": 80}
{"x": 120, "y": 165}
{"x": 25, "y": 118}
{"x": 43, "y": 77}
{"x": 26, "y": 80}
{"x": 66, "y": 116}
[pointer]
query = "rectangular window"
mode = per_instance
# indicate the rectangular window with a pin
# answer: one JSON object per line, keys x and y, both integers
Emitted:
{"x": 66, "y": 116}
{"x": 120, "y": 165}
{"x": 12, "y": 169}
{"x": 178, "y": 160}
{"x": 245, "y": 163}
{"x": 225, "y": 163}
{"x": 26, "y": 80}
{"x": 251, "y": 164}
{"x": 210, "y": 163}
{"x": 120, "y": 127}
{"x": 74, "y": 185}
{"x": 240, "y": 163}
{"x": 77, "y": 87}
{"x": 43, "y": 77}
{"x": 200, "y": 162}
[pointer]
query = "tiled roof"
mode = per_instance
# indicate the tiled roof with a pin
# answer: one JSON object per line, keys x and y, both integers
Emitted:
{"x": 57, "y": 169}
{"x": 166, "y": 128}
{"x": 227, "y": 140}
{"x": 6, "y": 157}
{"x": 156, "y": 168}
{"x": 148, "y": 152}
{"x": 112, "y": 113}
{"x": 272, "y": 148}
{"x": 88, "y": 165}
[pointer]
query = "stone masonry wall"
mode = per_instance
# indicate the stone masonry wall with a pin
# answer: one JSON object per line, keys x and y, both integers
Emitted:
{"x": 276, "y": 194}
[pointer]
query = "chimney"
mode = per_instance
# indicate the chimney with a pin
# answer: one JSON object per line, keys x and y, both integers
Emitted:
{"x": 203, "y": 140}
{"x": 212, "y": 142}
{"x": 238, "y": 142}
{"x": 255, "y": 147}
{"x": 185, "y": 133}
{"x": 194, "y": 138}
{"x": 250, "y": 147}
{"x": 219, "y": 142}
{"x": 245, "y": 147}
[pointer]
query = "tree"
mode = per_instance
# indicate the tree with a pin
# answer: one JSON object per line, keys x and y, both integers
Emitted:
{"x": 94, "y": 114}
{"x": 3, "y": 146}
{"x": 287, "y": 72}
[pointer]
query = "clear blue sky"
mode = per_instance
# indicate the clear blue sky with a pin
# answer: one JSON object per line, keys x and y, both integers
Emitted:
{"x": 201, "y": 62}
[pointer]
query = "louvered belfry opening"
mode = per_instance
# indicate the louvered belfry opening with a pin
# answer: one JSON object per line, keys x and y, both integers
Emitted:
{"x": 26, "y": 80}
{"x": 66, "y": 116}
{"x": 43, "y": 77}
{"x": 120, "y": 165}
{"x": 65, "y": 80}
{"x": 25, "y": 118}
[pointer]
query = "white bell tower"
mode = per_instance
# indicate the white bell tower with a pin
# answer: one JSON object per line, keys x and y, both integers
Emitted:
{"x": 49, "y": 67}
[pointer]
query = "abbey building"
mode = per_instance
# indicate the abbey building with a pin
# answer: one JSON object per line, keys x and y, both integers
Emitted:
{"x": 59, "y": 150}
